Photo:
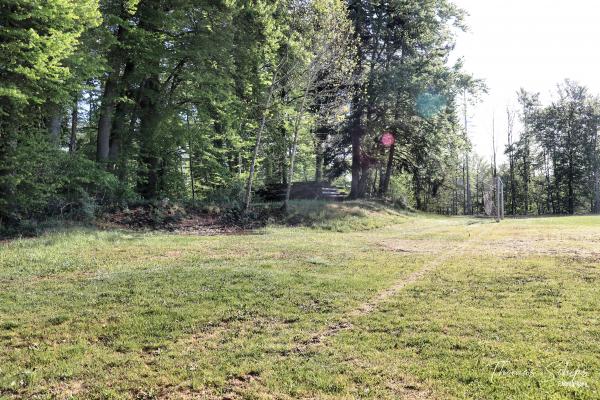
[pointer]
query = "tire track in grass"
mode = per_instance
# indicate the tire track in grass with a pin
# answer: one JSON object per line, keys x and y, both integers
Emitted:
{"x": 407, "y": 389}
{"x": 381, "y": 297}
{"x": 237, "y": 386}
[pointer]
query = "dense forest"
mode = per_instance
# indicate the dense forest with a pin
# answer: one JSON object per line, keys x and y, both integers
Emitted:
{"x": 106, "y": 103}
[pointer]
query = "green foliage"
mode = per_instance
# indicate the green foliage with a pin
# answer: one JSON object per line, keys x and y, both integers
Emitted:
{"x": 166, "y": 99}
{"x": 36, "y": 39}
{"x": 47, "y": 182}
{"x": 555, "y": 161}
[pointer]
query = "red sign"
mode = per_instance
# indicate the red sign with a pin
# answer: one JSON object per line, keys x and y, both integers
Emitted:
{"x": 388, "y": 139}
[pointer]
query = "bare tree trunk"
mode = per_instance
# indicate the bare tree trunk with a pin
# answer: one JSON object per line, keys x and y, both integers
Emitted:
{"x": 363, "y": 184}
{"x": 468, "y": 188}
{"x": 468, "y": 199}
{"x": 596, "y": 191}
{"x": 356, "y": 132}
{"x": 295, "y": 144}
{"x": 263, "y": 121}
{"x": 511, "y": 161}
{"x": 526, "y": 179}
{"x": 494, "y": 169}
{"x": 191, "y": 162}
{"x": 596, "y": 161}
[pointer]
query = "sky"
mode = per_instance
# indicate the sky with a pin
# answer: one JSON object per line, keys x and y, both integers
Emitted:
{"x": 534, "y": 44}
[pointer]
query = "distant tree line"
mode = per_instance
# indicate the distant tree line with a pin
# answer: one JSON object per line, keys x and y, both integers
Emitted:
{"x": 111, "y": 102}
{"x": 552, "y": 162}
{"x": 554, "y": 166}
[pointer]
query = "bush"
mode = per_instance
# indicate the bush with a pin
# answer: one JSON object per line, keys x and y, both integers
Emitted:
{"x": 40, "y": 182}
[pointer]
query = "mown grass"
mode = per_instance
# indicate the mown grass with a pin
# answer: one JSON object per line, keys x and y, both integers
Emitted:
{"x": 91, "y": 314}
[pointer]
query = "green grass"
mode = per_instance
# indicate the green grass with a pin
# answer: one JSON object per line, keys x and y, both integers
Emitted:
{"x": 510, "y": 310}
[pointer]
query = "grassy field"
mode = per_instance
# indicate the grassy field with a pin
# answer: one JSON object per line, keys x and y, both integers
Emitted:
{"x": 368, "y": 303}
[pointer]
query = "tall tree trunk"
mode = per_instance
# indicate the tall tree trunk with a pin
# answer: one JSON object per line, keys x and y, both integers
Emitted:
{"x": 363, "y": 183}
{"x": 549, "y": 201}
{"x": 526, "y": 181}
{"x": 513, "y": 188}
{"x": 468, "y": 188}
{"x": 149, "y": 121}
{"x": 319, "y": 141}
{"x": 596, "y": 166}
{"x": 109, "y": 97}
{"x": 122, "y": 110}
{"x": 74, "y": 121}
{"x": 468, "y": 209}
{"x": 570, "y": 186}
{"x": 55, "y": 123}
{"x": 355, "y": 125}
{"x": 191, "y": 157}
{"x": 263, "y": 122}
{"x": 596, "y": 209}
{"x": 105, "y": 120}
{"x": 385, "y": 182}
{"x": 356, "y": 132}
{"x": 295, "y": 142}
{"x": 418, "y": 189}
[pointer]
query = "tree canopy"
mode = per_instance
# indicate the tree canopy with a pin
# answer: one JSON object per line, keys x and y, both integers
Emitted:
{"x": 109, "y": 102}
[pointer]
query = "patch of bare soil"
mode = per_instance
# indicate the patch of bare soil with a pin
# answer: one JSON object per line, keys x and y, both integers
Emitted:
{"x": 415, "y": 246}
{"x": 169, "y": 218}
{"x": 237, "y": 388}
{"x": 513, "y": 248}
{"x": 410, "y": 391}
{"x": 183, "y": 393}
{"x": 67, "y": 390}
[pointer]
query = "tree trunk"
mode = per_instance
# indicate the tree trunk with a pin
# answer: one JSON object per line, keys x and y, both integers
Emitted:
{"x": 570, "y": 186}
{"x": 596, "y": 166}
{"x": 363, "y": 183}
{"x": 596, "y": 191}
{"x": 263, "y": 122}
{"x": 107, "y": 107}
{"x": 191, "y": 158}
{"x": 74, "y": 120}
{"x": 55, "y": 124}
{"x": 123, "y": 108}
{"x": 295, "y": 143}
{"x": 385, "y": 182}
{"x": 417, "y": 183}
{"x": 468, "y": 188}
{"x": 356, "y": 136}
{"x": 149, "y": 122}
{"x": 319, "y": 157}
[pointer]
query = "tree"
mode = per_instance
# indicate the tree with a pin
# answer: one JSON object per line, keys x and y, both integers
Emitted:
{"x": 39, "y": 42}
{"x": 396, "y": 40}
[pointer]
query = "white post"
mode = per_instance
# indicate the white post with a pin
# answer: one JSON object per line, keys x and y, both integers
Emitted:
{"x": 501, "y": 199}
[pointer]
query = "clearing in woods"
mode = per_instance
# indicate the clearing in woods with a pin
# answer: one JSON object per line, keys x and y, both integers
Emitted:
{"x": 409, "y": 306}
